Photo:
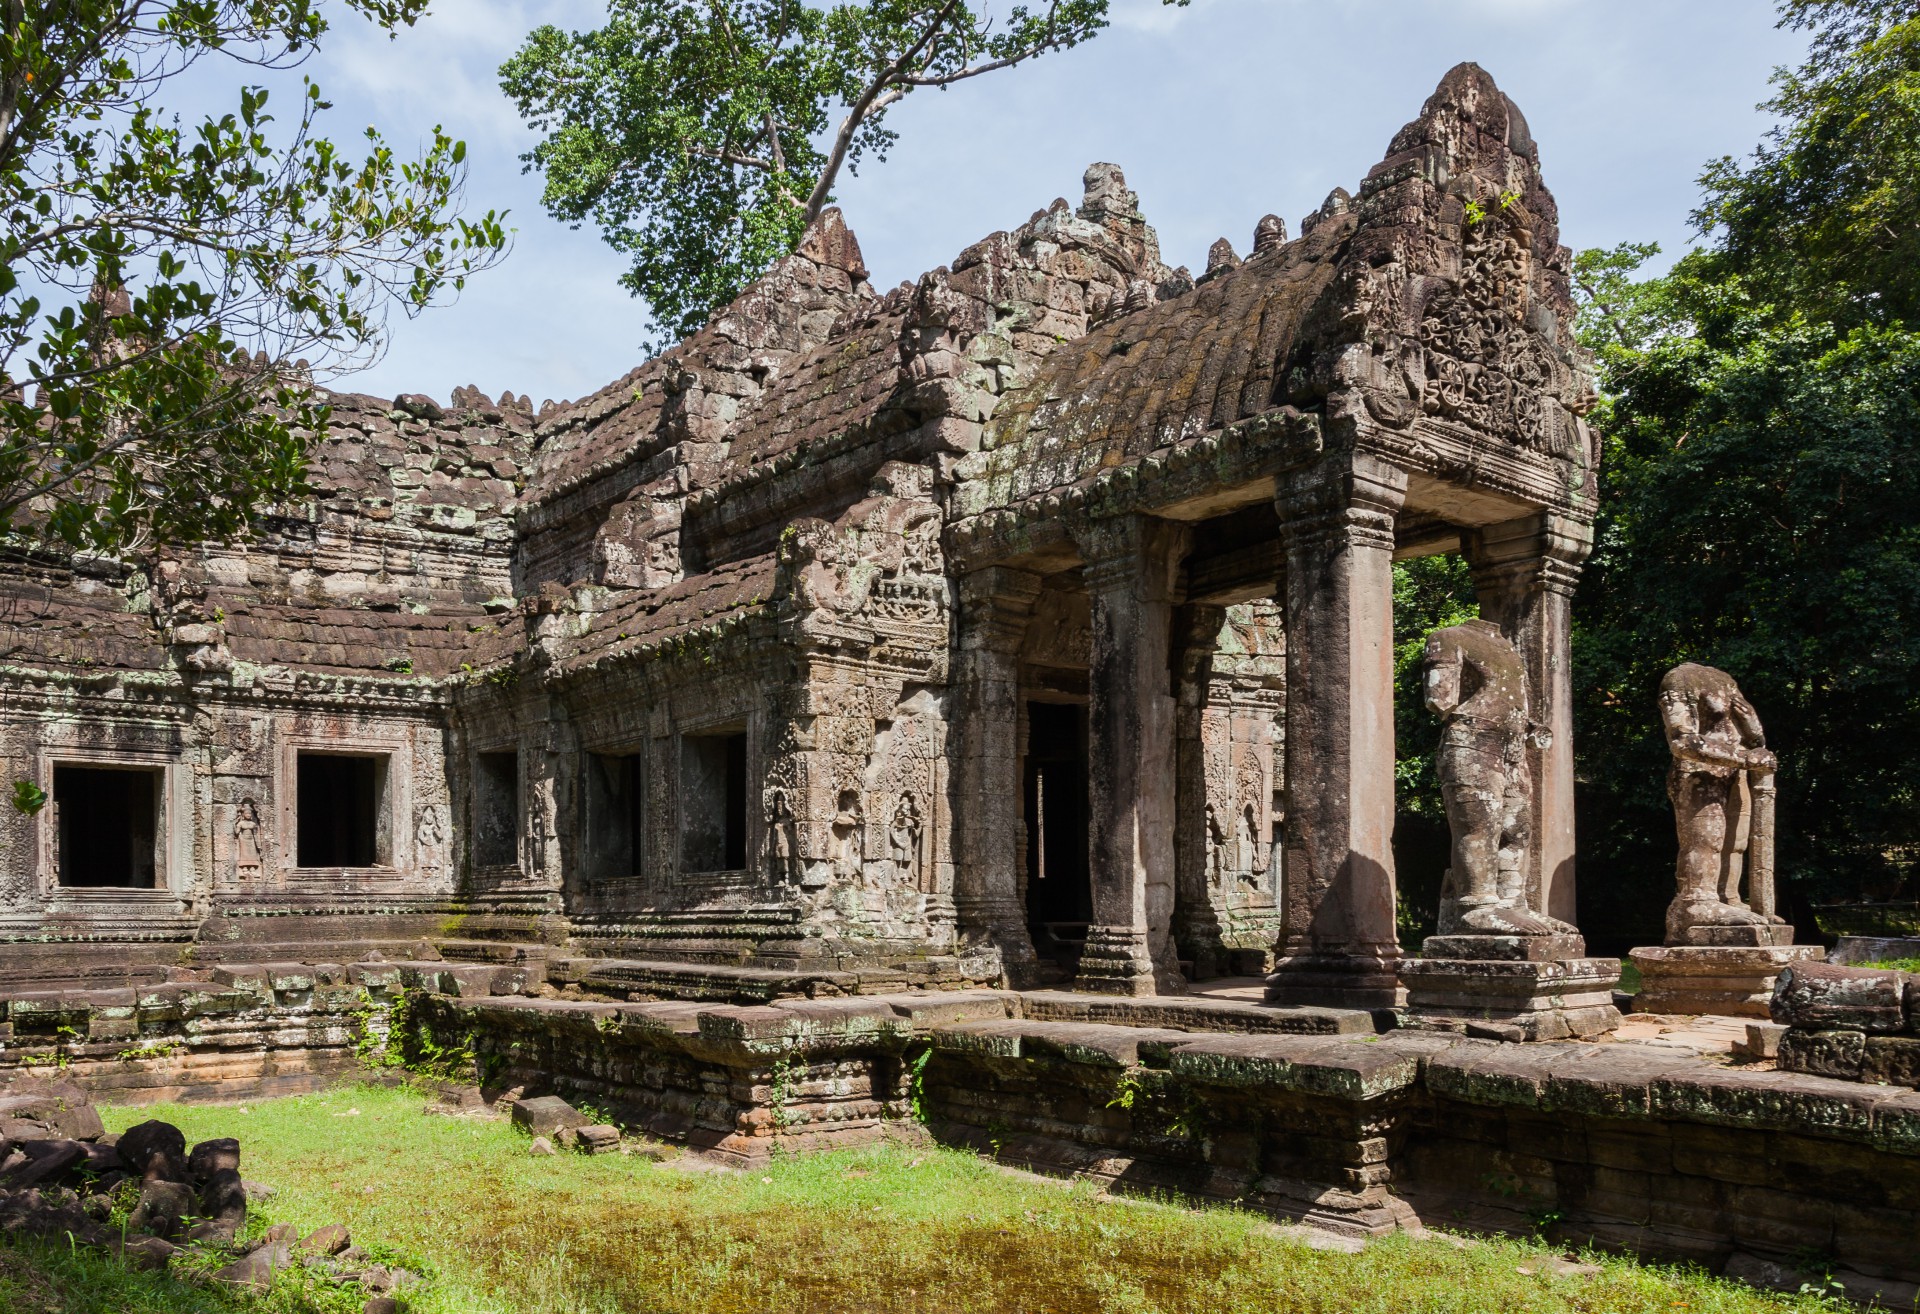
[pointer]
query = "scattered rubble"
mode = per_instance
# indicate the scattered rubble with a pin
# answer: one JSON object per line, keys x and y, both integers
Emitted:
{"x": 146, "y": 1197}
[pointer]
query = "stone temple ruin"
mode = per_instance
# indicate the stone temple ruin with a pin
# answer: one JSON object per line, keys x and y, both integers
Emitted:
{"x": 968, "y": 632}
{"x": 988, "y": 664}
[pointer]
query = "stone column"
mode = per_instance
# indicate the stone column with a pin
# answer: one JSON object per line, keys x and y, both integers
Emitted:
{"x": 1339, "y": 946}
{"x": 995, "y": 606}
{"x": 1524, "y": 572}
{"x": 1130, "y": 569}
{"x": 1196, "y": 920}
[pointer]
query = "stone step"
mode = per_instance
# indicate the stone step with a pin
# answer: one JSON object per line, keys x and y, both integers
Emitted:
{"x": 702, "y": 982}
{"x": 1198, "y": 1013}
{"x": 493, "y": 951}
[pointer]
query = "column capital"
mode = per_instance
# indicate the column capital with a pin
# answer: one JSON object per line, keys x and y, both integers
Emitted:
{"x": 996, "y": 602}
{"x": 1140, "y": 554}
{"x": 1350, "y": 497}
{"x": 1544, "y": 551}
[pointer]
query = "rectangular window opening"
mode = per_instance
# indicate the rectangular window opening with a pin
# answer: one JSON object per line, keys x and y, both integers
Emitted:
{"x": 616, "y": 830}
{"x": 496, "y": 809}
{"x": 713, "y": 801}
{"x": 341, "y": 810}
{"x": 108, "y": 826}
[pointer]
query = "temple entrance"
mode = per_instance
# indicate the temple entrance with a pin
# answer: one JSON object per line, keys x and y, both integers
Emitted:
{"x": 1059, "y": 889}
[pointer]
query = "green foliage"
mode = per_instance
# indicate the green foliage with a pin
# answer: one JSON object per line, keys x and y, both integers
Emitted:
{"x": 413, "y": 1043}
{"x": 788, "y": 1072}
{"x": 1821, "y": 220}
{"x": 159, "y": 278}
{"x": 699, "y": 135}
{"x": 1757, "y": 514}
{"x": 916, "y": 1074}
{"x": 28, "y": 798}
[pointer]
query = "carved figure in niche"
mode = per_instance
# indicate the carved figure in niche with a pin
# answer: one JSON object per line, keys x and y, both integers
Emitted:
{"x": 431, "y": 837}
{"x": 1250, "y": 864}
{"x": 1216, "y": 849}
{"x": 847, "y": 823}
{"x": 903, "y": 841}
{"x": 246, "y": 841}
{"x": 1721, "y": 784}
{"x": 1477, "y": 682}
{"x": 783, "y": 839}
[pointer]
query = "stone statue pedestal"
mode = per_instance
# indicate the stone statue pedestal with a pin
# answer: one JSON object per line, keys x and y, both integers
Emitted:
{"x": 1773, "y": 936}
{"x": 1516, "y": 987}
{"x": 1731, "y": 980}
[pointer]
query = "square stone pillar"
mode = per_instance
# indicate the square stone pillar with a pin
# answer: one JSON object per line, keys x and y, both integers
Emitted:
{"x": 1340, "y": 946}
{"x": 995, "y": 606}
{"x": 1131, "y": 564}
{"x": 1524, "y": 572}
{"x": 1197, "y": 929}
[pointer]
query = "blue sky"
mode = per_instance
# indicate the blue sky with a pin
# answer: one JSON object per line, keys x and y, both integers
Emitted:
{"x": 1219, "y": 113}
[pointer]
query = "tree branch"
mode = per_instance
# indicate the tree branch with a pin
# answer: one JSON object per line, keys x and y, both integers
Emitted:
{"x": 865, "y": 104}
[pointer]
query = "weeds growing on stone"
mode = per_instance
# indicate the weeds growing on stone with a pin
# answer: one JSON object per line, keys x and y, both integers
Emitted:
{"x": 874, "y": 1231}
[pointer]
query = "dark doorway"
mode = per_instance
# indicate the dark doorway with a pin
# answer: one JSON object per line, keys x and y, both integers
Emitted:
{"x": 496, "y": 810}
{"x": 108, "y": 837}
{"x": 1059, "y": 890}
{"x": 615, "y": 829}
{"x": 339, "y": 820}
{"x": 713, "y": 802}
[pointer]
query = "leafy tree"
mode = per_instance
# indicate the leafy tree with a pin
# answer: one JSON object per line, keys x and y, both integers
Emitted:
{"x": 1821, "y": 219}
{"x": 1757, "y": 510}
{"x": 703, "y": 136}
{"x": 161, "y": 280}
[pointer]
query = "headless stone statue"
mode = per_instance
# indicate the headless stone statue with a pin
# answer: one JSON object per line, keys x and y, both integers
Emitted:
{"x": 1477, "y": 682}
{"x": 1721, "y": 784}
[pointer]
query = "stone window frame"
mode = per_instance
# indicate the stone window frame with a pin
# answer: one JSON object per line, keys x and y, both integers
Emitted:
{"x": 640, "y": 747}
{"x": 736, "y": 720}
{"x": 523, "y": 801}
{"x": 396, "y": 747}
{"x": 173, "y": 837}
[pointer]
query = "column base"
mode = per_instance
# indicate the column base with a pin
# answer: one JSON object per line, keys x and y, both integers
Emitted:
{"x": 1773, "y": 936}
{"x": 996, "y": 927}
{"x": 1116, "y": 961}
{"x": 1331, "y": 980}
{"x": 1482, "y": 947}
{"x": 1512, "y": 998}
{"x": 1727, "y": 980}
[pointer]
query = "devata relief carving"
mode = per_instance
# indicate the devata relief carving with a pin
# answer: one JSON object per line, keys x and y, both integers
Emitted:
{"x": 246, "y": 842}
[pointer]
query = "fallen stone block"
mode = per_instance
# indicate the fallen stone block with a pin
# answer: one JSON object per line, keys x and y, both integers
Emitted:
{"x": 209, "y": 1157}
{"x": 163, "y": 1208}
{"x": 601, "y": 1138}
{"x": 56, "y": 1111}
{"x": 1762, "y": 1041}
{"x": 223, "y": 1200}
{"x": 148, "y": 1254}
{"x": 155, "y": 1149}
{"x": 1825, "y": 996}
{"x": 546, "y": 1115}
{"x": 1824, "y": 1053}
{"x": 256, "y": 1269}
{"x": 40, "y": 1163}
{"x": 328, "y": 1240}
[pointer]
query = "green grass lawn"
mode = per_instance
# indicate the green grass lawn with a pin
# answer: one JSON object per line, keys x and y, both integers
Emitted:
{"x": 886, "y": 1229}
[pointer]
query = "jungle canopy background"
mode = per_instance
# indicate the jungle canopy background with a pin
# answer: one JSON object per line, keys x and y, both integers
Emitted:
{"x": 1760, "y": 499}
